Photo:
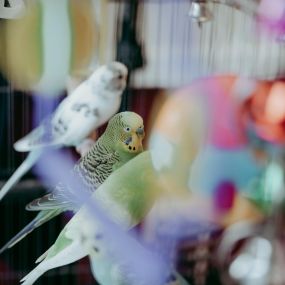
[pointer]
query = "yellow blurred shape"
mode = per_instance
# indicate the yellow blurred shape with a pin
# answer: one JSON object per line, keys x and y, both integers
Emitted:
{"x": 85, "y": 34}
{"x": 21, "y": 39}
{"x": 26, "y": 44}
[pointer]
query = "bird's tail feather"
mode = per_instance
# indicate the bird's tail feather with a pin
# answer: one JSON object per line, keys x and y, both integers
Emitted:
{"x": 40, "y": 219}
{"x": 26, "y": 165}
{"x": 42, "y": 257}
{"x": 69, "y": 254}
{"x": 31, "y": 277}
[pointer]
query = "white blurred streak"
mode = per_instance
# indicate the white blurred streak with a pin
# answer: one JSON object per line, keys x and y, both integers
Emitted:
{"x": 57, "y": 42}
{"x": 162, "y": 152}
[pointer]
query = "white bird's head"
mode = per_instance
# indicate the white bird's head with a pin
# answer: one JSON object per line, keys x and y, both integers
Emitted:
{"x": 109, "y": 78}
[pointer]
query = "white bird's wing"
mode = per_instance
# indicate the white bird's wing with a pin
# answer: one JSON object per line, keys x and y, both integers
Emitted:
{"x": 69, "y": 128}
{"x": 46, "y": 134}
{"x": 69, "y": 124}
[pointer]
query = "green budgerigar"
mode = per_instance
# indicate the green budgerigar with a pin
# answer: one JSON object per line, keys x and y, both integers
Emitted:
{"x": 126, "y": 196}
{"x": 121, "y": 141}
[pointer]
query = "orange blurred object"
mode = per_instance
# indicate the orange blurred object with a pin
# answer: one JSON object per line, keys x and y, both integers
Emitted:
{"x": 189, "y": 109}
{"x": 266, "y": 110}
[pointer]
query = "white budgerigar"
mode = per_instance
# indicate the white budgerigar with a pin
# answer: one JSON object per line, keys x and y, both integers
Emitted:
{"x": 89, "y": 106}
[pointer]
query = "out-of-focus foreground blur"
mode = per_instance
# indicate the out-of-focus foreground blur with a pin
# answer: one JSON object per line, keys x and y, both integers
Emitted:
{"x": 207, "y": 77}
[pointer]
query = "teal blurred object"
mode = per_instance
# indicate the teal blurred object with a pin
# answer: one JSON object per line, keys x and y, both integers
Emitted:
{"x": 215, "y": 165}
{"x": 267, "y": 190}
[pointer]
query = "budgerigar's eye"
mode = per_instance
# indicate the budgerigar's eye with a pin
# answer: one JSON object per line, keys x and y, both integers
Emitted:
{"x": 127, "y": 129}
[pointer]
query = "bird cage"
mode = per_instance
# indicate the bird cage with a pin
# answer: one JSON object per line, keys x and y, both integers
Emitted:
{"x": 166, "y": 44}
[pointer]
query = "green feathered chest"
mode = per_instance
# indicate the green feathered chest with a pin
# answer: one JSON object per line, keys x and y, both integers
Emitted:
{"x": 133, "y": 187}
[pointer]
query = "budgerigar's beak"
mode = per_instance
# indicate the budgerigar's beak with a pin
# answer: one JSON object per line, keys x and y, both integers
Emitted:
{"x": 133, "y": 143}
{"x": 119, "y": 83}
